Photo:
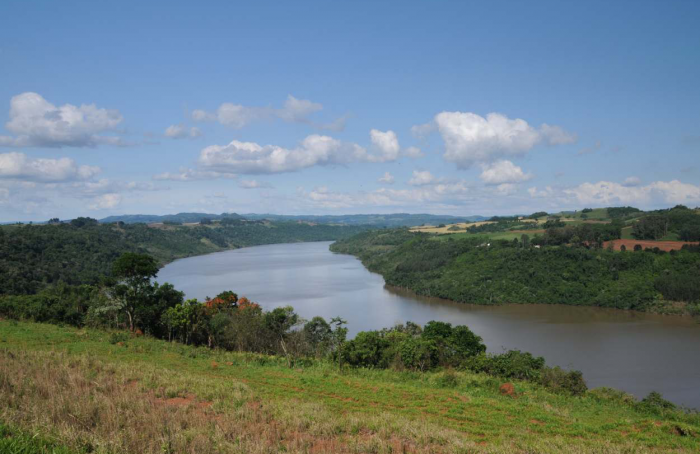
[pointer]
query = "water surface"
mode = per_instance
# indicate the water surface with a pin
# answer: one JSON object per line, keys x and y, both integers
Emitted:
{"x": 632, "y": 351}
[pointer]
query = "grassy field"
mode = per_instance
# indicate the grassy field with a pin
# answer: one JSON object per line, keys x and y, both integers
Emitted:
{"x": 66, "y": 390}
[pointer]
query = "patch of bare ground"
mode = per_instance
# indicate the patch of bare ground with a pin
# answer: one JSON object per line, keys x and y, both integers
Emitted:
{"x": 663, "y": 245}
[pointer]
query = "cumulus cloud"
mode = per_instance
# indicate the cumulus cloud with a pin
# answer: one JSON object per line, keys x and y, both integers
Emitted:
{"x": 37, "y": 122}
{"x": 632, "y": 181}
{"x": 421, "y": 178}
{"x": 294, "y": 110}
{"x": 253, "y": 184}
{"x": 20, "y": 167}
{"x": 387, "y": 178}
{"x": 105, "y": 202}
{"x": 180, "y": 131}
{"x": 470, "y": 138}
{"x": 606, "y": 193}
{"x": 387, "y": 143}
{"x": 252, "y": 158}
{"x": 503, "y": 172}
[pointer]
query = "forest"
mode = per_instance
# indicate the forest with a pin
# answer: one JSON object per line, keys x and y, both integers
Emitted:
{"x": 36, "y": 257}
{"x": 566, "y": 265}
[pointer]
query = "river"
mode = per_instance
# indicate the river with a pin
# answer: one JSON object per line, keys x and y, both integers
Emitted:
{"x": 632, "y": 351}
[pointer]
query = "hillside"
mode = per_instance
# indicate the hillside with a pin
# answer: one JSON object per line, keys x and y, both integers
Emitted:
{"x": 34, "y": 257}
{"x": 91, "y": 391}
{"x": 564, "y": 265}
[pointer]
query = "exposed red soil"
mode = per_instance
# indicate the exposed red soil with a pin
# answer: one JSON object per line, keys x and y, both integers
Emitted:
{"x": 507, "y": 389}
{"x": 663, "y": 245}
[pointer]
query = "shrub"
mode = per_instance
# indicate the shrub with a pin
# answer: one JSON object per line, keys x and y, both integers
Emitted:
{"x": 559, "y": 380}
{"x": 447, "y": 379}
{"x": 655, "y": 403}
{"x": 115, "y": 338}
{"x": 366, "y": 350}
{"x": 512, "y": 364}
{"x": 418, "y": 353}
{"x": 612, "y": 394}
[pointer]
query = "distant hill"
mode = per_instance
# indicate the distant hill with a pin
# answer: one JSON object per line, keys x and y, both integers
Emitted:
{"x": 379, "y": 220}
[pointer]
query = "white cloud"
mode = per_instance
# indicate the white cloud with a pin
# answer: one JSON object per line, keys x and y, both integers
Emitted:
{"x": 253, "y": 184}
{"x": 555, "y": 135}
{"x": 387, "y": 178}
{"x": 37, "y": 122}
{"x": 470, "y": 138}
{"x": 180, "y": 131}
{"x": 606, "y": 193}
{"x": 20, "y": 167}
{"x": 186, "y": 174}
{"x": 412, "y": 152}
{"x": 632, "y": 181}
{"x": 294, "y": 110}
{"x": 503, "y": 171}
{"x": 252, "y": 158}
{"x": 298, "y": 110}
{"x": 439, "y": 196}
{"x": 106, "y": 201}
{"x": 421, "y": 178}
{"x": 4, "y": 195}
{"x": 387, "y": 143}
{"x": 421, "y": 131}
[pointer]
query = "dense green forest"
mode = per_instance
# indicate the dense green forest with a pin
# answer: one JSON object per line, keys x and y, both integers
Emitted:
{"x": 36, "y": 257}
{"x": 564, "y": 266}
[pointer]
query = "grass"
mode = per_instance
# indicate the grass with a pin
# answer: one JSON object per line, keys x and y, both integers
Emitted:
{"x": 18, "y": 442}
{"x": 150, "y": 396}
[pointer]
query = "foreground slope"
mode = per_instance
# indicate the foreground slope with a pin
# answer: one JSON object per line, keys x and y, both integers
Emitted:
{"x": 91, "y": 391}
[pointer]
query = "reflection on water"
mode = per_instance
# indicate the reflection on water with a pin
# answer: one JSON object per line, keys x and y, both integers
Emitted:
{"x": 633, "y": 351}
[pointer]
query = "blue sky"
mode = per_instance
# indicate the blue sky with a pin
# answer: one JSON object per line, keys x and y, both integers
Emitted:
{"x": 346, "y": 107}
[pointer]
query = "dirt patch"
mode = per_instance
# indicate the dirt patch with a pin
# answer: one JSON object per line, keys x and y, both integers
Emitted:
{"x": 663, "y": 245}
{"x": 507, "y": 389}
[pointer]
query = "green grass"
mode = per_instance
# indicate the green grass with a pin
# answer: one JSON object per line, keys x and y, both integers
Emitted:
{"x": 18, "y": 442}
{"x": 309, "y": 407}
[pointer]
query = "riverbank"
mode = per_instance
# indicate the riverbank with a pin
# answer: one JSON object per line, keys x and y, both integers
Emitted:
{"x": 482, "y": 271}
{"x": 80, "y": 388}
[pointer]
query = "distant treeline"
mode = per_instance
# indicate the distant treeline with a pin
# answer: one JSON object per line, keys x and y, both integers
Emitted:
{"x": 35, "y": 257}
{"x": 682, "y": 221}
{"x": 563, "y": 266}
{"x": 377, "y": 220}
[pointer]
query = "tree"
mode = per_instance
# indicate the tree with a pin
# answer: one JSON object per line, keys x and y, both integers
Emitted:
{"x": 318, "y": 333}
{"x": 525, "y": 240}
{"x": 133, "y": 289}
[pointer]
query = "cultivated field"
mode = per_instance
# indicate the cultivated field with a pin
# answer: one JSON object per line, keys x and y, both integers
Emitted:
{"x": 663, "y": 245}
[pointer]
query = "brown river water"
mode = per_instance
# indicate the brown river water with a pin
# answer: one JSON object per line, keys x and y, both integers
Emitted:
{"x": 632, "y": 351}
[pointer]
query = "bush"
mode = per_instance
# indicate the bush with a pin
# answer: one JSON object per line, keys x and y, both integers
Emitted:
{"x": 655, "y": 403}
{"x": 559, "y": 380}
{"x": 447, "y": 379}
{"x": 614, "y": 395}
{"x": 115, "y": 338}
{"x": 366, "y": 350}
{"x": 417, "y": 353}
{"x": 512, "y": 364}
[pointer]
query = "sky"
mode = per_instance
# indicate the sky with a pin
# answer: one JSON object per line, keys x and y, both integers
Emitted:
{"x": 443, "y": 107}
